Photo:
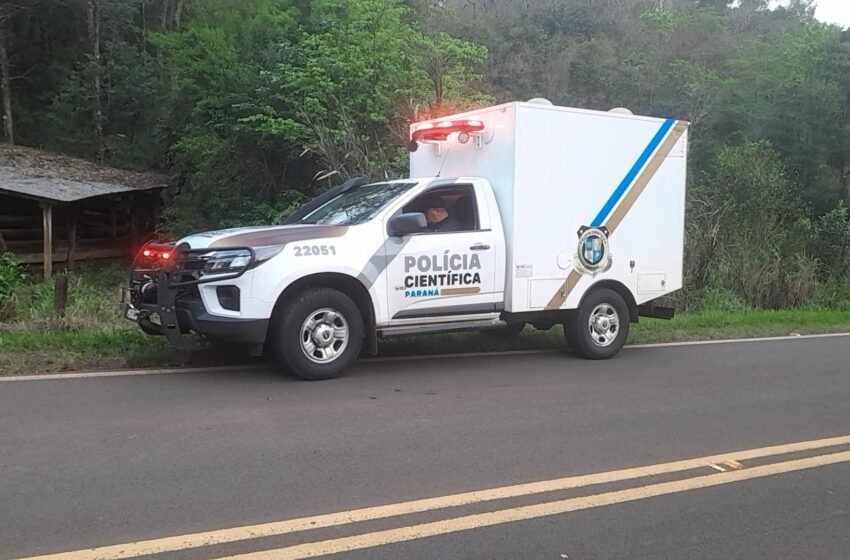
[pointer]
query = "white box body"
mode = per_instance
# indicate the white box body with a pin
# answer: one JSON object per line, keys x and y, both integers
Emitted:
{"x": 555, "y": 170}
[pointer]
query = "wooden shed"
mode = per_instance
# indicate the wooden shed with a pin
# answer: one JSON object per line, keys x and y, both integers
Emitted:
{"x": 56, "y": 208}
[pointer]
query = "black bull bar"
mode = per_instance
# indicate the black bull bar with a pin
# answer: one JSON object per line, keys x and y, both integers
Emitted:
{"x": 165, "y": 288}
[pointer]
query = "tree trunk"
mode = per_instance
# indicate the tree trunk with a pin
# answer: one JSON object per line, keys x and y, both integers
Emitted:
{"x": 847, "y": 156}
{"x": 6, "y": 90}
{"x": 94, "y": 39}
{"x": 164, "y": 14}
{"x": 144, "y": 26}
{"x": 178, "y": 13}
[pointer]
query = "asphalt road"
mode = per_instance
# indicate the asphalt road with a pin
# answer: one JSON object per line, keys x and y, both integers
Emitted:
{"x": 112, "y": 461}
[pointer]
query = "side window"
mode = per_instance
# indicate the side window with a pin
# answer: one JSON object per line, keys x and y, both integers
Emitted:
{"x": 447, "y": 209}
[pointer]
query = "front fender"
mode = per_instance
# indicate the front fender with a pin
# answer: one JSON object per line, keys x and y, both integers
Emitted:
{"x": 268, "y": 287}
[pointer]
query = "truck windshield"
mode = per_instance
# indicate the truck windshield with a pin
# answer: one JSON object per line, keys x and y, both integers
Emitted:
{"x": 356, "y": 206}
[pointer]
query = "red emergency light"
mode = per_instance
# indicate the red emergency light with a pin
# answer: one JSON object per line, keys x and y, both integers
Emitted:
{"x": 153, "y": 253}
{"x": 441, "y": 130}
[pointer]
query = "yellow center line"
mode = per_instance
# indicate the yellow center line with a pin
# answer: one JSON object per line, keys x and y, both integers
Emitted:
{"x": 525, "y": 513}
{"x": 277, "y": 528}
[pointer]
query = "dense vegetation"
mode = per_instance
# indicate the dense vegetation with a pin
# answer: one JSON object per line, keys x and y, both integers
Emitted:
{"x": 251, "y": 105}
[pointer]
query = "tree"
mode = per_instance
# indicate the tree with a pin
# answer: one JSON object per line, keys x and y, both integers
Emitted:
{"x": 93, "y": 19}
{"x": 274, "y": 96}
{"x": 253, "y": 105}
{"x": 6, "y": 13}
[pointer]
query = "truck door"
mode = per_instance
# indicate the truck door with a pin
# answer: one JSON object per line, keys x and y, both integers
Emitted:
{"x": 448, "y": 270}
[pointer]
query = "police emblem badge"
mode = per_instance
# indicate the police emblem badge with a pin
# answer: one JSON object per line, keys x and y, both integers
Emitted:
{"x": 593, "y": 255}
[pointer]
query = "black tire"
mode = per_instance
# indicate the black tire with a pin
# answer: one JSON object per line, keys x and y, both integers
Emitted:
{"x": 288, "y": 329}
{"x": 581, "y": 336}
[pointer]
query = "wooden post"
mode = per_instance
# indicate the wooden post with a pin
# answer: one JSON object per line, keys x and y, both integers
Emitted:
{"x": 60, "y": 295}
{"x": 72, "y": 237}
{"x": 47, "y": 211}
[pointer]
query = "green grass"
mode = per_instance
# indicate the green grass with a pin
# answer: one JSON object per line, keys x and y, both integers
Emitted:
{"x": 93, "y": 300}
{"x": 93, "y": 335}
{"x": 90, "y": 349}
{"x": 742, "y": 324}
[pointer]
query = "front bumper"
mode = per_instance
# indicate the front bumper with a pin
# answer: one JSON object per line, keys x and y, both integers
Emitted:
{"x": 171, "y": 296}
{"x": 193, "y": 318}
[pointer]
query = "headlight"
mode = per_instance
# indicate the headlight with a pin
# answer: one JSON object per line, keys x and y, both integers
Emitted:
{"x": 262, "y": 254}
{"x": 224, "y": 261}
{"x": 234, "y": 261}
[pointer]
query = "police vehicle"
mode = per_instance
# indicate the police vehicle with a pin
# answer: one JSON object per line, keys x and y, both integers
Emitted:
{"x": 520, "y": 214}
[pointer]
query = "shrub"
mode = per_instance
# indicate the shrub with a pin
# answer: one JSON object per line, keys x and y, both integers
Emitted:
{"x": 11, "y": 276}
{"x": 831, "y": 243}
{"x": 719, "y": 299}
{"x": 748, "y": 232}
{"x": 834, "y": 294}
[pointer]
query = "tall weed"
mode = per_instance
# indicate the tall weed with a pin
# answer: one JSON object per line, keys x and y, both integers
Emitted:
{"x": 11, "y": 277}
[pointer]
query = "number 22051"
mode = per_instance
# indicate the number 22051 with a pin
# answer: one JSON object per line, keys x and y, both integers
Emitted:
{"x": 314, "y": 250}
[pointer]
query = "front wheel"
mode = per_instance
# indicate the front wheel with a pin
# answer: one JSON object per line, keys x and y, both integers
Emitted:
{"x": 318, "y": 334}
{"x": 600, "y": 326}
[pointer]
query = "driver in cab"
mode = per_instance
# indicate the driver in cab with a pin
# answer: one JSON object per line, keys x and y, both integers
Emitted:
{"x": 439, "y": 219}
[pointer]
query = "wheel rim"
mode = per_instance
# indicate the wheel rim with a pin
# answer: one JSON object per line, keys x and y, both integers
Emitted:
{"x": 324, "y": 336}
{"x": 603, "y": 325}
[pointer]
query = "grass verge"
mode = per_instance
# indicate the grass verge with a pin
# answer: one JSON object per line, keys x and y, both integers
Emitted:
{"x": 92, "y": 335}
{"x": 85, "y": 348}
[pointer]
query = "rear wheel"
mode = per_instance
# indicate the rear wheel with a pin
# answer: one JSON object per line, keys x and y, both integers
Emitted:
{"x": 600, "y": 326}
{"x": 318, "y": 334}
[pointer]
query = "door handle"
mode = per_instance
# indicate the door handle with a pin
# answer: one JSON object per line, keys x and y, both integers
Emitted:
{"x": 479, "y": 247}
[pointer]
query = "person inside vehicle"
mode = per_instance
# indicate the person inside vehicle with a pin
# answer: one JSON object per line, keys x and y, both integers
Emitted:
{"x": 438, "y": 217}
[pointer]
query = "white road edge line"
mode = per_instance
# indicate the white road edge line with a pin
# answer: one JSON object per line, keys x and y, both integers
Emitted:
{"x": 739, "y": 340}
{"x": 125, "y": 373}
{"x": 627, "y": 347}
{"x": 216, "y": 369}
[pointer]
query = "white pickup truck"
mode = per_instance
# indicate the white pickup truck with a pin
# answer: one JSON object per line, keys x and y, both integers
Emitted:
{"x": 522, "y": 213}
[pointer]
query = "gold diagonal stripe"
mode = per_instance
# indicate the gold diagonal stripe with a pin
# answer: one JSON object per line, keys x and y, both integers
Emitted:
{"x": 645, "y": 177}
{"x": 561, "y": 295}
{"x": 625, "y": 206}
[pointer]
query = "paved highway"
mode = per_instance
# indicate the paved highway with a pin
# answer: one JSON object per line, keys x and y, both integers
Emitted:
{"x": 738, "y": 450}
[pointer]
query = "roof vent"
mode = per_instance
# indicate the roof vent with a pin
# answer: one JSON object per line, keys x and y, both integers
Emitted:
{"x": 621, "y": 111}
{"x": 540, "y": 101}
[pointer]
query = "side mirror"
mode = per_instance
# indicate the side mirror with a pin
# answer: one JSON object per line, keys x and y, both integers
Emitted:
{"x": 405, "y": 224}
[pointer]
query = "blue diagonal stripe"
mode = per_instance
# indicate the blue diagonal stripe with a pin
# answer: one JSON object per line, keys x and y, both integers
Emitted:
{"x": 633, "y": 172}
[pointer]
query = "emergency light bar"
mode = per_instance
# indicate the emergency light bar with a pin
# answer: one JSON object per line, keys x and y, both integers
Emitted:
{"x": 431, "y": 132}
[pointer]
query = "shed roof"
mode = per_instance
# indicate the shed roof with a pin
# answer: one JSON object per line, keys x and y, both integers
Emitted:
{"x": 53, "y": 177}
